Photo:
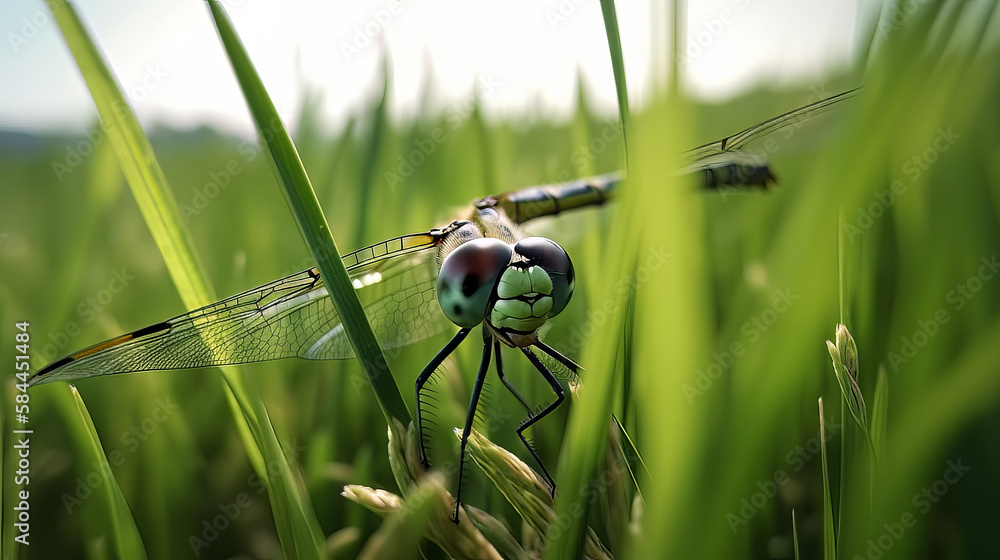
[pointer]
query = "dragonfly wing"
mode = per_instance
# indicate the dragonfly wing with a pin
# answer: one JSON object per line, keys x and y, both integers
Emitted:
{"x": 401, "y": 305}
{"x": 734, "y": 142}
{"x": 290, "y": 317}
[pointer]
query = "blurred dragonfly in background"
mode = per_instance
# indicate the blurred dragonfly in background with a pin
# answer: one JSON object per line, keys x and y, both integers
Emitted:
{"x": 481, "y": 269}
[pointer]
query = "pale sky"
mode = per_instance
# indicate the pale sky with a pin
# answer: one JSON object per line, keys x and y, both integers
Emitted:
{"x": 524, "y": 53}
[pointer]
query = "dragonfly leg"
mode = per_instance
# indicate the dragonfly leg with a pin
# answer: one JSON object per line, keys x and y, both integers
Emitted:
{"x": 422, "y": 379}
{"x": 484, "y": 366}
{"x": 570, "y": 364}
{"x": 530, "y": 420}
{"x": 510, "y": 387}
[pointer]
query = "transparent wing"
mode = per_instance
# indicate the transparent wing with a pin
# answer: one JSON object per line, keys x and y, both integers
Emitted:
{"x": 736, "y": 141}
{"x": 290, "y": 317}
{"x": 719, "y": 164}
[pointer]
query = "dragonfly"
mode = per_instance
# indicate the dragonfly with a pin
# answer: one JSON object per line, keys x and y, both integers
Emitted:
{"x": 479, "y": 270}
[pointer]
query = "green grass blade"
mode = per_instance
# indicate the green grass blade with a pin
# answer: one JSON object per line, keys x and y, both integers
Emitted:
{"x": 136, "y": 157}
{"x": 880, "y": 412}
{"x": 297, "y": 527}
{"x": 143, "y": 173}
{"x": 795, "y": 536}
{"x": 617, "y": 64}
{"x": 846, "y": 449}
{"x": 581, "y": 129}
{"x": 671, "y": 328}
{"x": 879, "y": 426}
{"x": 829, "y": 539}
{"x": 677, "y": 36}
{"x": 375, "y": 139}
{"x": 122, "y": 529}
{"x": 587, "y": 431}
{"x": 301, "y": 199}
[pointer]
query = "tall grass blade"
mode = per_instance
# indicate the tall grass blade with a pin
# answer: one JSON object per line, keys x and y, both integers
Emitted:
{"x": 296, "y": 523}
{"x": 671, "y": 334}
{"x": 795, "y": 536}
{"x": 587, "y": 431}
{"x": 136, "y": 157}
{"x": 371, "y": 156}
{"x": 880, "y": 412}
{"x": 123, "y": 533}
{"x": 829, "y": 539}
{"x": 295, "y": 185}
{"x": 617, "y": 65}
{"x": 677, "y": 22}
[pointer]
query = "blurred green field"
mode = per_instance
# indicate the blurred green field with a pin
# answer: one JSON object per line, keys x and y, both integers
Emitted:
{"x": 885, "y": 219}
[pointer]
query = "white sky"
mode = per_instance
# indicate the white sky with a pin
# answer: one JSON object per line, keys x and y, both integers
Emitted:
{"x": 529, "y": 50}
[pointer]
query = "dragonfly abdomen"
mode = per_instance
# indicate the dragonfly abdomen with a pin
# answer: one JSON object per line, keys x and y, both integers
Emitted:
{"x": 549, "y": 200}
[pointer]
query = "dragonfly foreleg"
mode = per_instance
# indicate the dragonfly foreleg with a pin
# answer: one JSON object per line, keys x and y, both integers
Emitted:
{"x": 425, "y": 375}
{"x": 570, "y": 364}
{"x": 531, "y": 419}
{"x": 484, "y": 366}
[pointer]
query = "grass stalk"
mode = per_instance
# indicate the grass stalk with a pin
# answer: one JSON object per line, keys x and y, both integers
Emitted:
{"x": 297, "y": 526}
{"x": 829, "y": 538}
{"x": 301, "y": 199}
{"x": 617, "y": 65}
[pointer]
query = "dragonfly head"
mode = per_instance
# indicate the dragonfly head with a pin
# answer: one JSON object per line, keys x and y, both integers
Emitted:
{"x": 516, "y": 288}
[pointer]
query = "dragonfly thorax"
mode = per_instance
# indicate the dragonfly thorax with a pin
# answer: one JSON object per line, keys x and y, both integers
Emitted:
{"x": 515, "y": 288}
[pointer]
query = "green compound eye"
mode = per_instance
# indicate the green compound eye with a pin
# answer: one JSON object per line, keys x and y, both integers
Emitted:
{"x": 554, "y": 260}
{"x": 468, "y": 275}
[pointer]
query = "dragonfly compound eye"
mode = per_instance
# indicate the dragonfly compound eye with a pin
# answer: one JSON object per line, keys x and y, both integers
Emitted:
{"x": 467, "y": 278}
{"x": 553, "y": 259}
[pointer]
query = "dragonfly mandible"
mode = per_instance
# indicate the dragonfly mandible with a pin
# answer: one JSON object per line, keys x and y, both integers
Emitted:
{"x": 478, "y": 270}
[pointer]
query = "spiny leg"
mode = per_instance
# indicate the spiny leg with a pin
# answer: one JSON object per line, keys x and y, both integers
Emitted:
{"x": 574, "y": 367}
{"x": 530, "y": 420}
{"x": 570, "y": 364}
{"x": 425, "y": 375}
{"x": 513, "y": 390}
{"x": 484, "y": 366}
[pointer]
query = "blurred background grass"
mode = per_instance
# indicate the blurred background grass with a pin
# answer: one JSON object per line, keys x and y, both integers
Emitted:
{"x": 926, "y": 122}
